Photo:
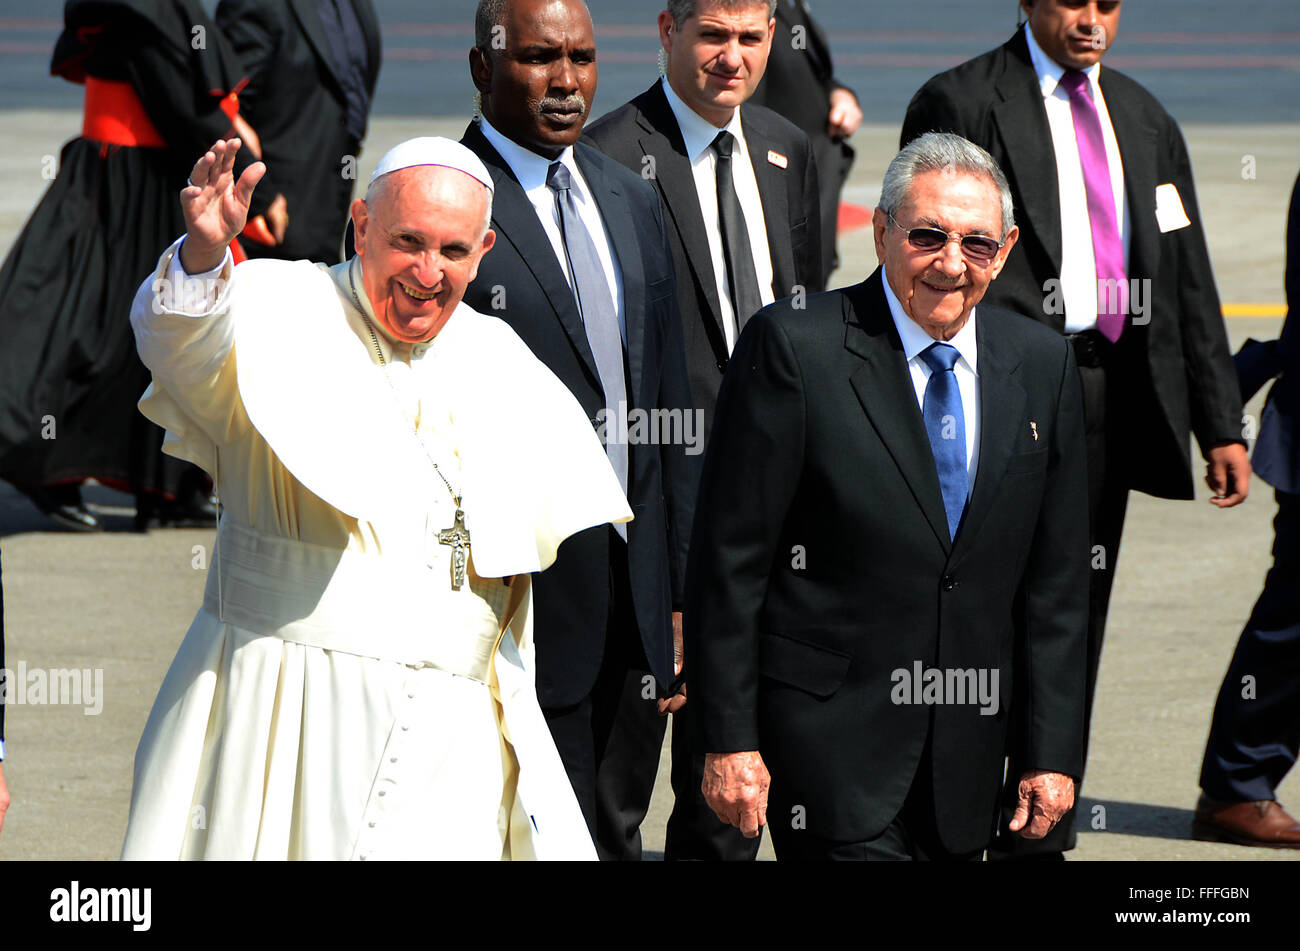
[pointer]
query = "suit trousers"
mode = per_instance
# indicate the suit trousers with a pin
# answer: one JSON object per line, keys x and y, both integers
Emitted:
{"x": 1255, "y": 734}
{"x": 1107, "y": 505}
{"x": 610, "y": 740}
{"x": 911, "y": 836}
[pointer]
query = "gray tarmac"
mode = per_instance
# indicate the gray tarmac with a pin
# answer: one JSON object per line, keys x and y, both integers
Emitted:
{"x": 1188, "y": 573}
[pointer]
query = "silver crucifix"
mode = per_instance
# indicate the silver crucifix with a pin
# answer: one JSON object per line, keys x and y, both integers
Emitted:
{"x": 458, "y": 538}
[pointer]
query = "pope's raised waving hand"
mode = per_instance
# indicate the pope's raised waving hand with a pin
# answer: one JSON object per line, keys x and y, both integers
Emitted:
{"x": 215, "y": 205}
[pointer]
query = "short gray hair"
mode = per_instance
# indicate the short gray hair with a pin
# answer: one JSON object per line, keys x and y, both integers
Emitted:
{"x": 490, "y": 13}
{"x": 943, "y": 152}
{"x": 683, "y": 10}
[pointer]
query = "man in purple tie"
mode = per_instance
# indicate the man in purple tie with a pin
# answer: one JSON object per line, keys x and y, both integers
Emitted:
{"x": 1111, "y": 254}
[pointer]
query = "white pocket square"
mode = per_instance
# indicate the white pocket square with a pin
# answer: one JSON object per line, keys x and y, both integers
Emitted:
{"x": 1170, "y": 215}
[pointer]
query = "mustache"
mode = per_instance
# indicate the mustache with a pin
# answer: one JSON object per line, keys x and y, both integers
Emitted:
{"x": 576, "y": 102}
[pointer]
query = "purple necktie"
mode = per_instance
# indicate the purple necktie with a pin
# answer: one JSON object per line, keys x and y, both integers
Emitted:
{"x": 1107, "y": 248}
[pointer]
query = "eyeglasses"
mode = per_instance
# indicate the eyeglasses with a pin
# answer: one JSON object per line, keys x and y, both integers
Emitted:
{"x": 979, "y": 248}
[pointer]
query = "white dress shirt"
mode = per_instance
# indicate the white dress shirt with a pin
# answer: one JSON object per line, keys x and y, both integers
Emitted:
{"x": 698, "y": 134}
{"x": 530, "y": 169}
{"x": 915, "y": 340}
{"x": 1078, "y": 265}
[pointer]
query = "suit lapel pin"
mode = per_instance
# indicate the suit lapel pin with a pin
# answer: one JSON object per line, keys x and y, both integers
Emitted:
{"x": 1033, "y": 428}
{"x": 777, "y": 159}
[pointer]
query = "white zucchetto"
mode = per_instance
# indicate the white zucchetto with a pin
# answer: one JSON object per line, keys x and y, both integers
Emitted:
{"x": 433, "y": 150}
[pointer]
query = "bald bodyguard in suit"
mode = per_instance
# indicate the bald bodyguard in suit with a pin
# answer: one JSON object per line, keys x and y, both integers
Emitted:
{"x": 739, "y": 187}
{"x": 1112, "y": 254}
{"x": 583, "y": 273}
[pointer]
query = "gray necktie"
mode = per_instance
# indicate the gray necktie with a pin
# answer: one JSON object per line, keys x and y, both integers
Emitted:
{"x": 742, "y": 277}
{"x": 599, "y": 319}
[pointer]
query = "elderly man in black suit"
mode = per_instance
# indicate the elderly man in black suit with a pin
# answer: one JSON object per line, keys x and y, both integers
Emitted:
{"x": 1255, "y": 734}
{"x": 312, "y": 67}
{"x": 583, "y": 272}
{"x": 888, "y": 553}
{"x": 1112, "y": 254}
{"x": 744, "y": 229}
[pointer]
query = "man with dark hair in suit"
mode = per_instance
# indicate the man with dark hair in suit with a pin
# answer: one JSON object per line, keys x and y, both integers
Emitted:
{"x": 1255, "y": 734}
{"x": 1111, "y": 254}
{"x": 312, "y": 67}
{"x": 800, "y": 85}
{"x": 740, "y": 188}
{"x": 583, "y": 272}
{"x": 888, "y": 553}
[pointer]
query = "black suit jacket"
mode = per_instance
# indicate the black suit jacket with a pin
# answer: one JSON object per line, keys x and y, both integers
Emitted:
{"x": 646, "y": 127}
{"x": 1259, "y": 363}
{"x": 820, "y": 563}
{"x": 798, "y": 83}
{"x": 520, "y": 280}
{"x": 1177, "y": 374}
{"x": 1278, "y": 452}
{"x": 295, "y": 103}
{"x": 4, "y": 687}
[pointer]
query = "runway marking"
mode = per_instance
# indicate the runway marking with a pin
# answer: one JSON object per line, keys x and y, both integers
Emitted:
{"x": 926, "y": 37}
{"x": 852, "y": 217}
{"x": 936, "y": 61}
{"x": 1254, "y": 310}
{"x": 14, "y": 23}
{"x": 649, "y": 30}
{"x": 1118, "y": 61}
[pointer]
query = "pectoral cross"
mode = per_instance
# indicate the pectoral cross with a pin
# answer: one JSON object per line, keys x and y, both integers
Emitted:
{"x": 458, "y": 538}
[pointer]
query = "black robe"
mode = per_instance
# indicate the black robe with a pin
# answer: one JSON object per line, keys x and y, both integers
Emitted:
{"x": 70, "y": 377}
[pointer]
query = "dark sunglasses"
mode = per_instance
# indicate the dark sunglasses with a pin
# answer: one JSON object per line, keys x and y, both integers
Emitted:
{"x": 978, "y": 247}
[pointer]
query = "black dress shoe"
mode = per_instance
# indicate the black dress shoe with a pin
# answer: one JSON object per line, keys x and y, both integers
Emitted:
{"x": 198, "y": 510}
{"x": 62, "y": 505}
{"x": 76, "y": 518}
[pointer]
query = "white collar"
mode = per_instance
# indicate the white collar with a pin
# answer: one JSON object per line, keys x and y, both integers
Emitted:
{"x": 1050, "y": 71}
{"x": 698, "y": 132}
{"x": 915, "y": 339}
{"x": 348, "y": 275}
{"x": 529, "y": 167}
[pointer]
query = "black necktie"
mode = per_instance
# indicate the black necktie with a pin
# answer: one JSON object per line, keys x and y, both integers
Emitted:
{"x": 599, "y": 318}
{"x": 741, "y": 276}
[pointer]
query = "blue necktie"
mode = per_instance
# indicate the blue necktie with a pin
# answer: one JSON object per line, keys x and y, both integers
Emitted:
{"x": 945, "y": 424}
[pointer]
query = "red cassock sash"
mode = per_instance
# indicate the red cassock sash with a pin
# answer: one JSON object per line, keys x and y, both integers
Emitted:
{"x": 114, "y": 116}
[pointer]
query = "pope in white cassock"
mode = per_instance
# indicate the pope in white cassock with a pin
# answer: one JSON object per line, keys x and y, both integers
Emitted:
{"x": 392, "y": 466}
